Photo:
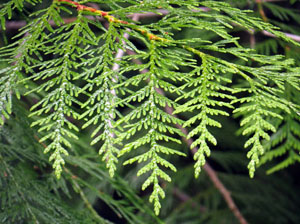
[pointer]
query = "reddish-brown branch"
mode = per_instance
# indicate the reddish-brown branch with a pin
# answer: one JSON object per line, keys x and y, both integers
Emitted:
{"x": 111, "y": 19}
{"x": 104, "y": 16}
{"x": 93, "y": 10}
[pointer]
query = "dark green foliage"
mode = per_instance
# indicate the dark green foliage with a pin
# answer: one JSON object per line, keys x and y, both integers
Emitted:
{"x": 63, "y": 87}
{"x": 30, "y": 193}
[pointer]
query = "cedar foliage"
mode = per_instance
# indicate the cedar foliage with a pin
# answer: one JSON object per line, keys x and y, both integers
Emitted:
{"x": 62, "y": 88}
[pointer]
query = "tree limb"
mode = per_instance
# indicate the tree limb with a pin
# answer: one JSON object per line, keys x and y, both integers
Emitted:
{"x": 15, "y": 25}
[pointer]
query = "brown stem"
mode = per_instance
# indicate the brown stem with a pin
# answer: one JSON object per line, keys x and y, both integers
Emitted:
{"x": 292, "y": 36}
{"x": 261, "y": 10}
{"x": 252, "y": 39}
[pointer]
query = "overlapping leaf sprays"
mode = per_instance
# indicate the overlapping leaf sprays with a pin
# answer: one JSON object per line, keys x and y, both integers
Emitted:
{"x": 79, "y": 76}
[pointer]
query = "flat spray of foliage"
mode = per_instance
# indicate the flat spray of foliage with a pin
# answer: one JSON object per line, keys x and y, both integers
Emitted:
{"x": 68, "y": 67}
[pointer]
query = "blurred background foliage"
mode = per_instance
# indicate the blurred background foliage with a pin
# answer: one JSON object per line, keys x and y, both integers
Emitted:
{"x": 86, "y": 194}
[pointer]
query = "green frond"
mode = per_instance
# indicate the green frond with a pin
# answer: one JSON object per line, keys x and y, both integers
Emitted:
{"x": 208, "y": 94}
{"x": 285, "y": 142}
{"x": 257, "y": 109}
{"x": 103, "y": 98}
{"x": 55, "y": 109}
{"x": 20, "y": 57}
{"x": 154, "y": 121}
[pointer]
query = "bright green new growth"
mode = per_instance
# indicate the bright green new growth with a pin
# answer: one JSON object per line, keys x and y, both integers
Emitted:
{"x": 206, "y": 93}
{"x": 150, "y": 116}
{"x": 69, "y": 68}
